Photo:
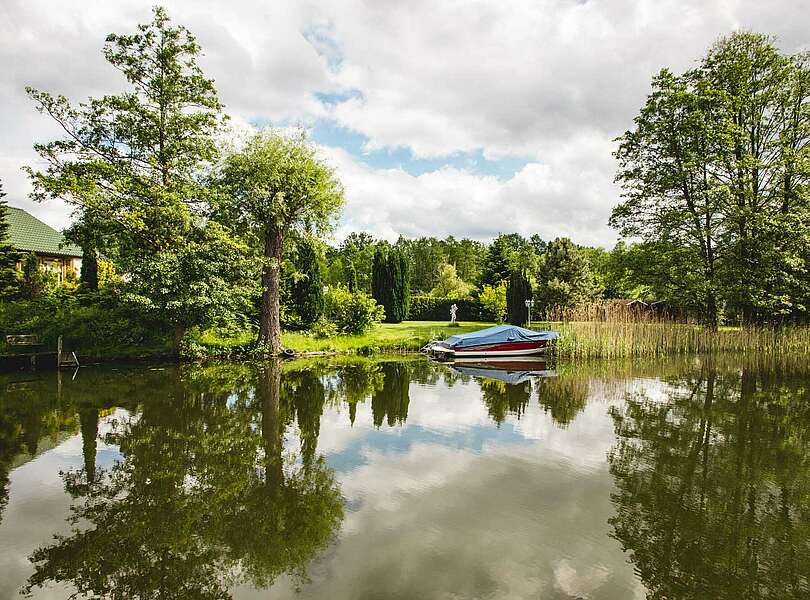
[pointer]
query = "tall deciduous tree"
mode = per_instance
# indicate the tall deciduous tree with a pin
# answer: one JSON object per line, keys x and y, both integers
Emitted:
{"x": 715, "y": 175}
{"x": 9, "y": 279}
{"x": 274, "y": 186}
{"x": 131, "y": 163}
{"x": 564, "y": 279}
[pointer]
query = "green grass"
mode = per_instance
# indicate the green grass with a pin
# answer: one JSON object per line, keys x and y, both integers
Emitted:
{"x": 386, "y": 337}
{"x": 578, "y": 339}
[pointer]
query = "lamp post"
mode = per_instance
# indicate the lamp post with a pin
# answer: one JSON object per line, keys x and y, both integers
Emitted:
{"x": 529, "y": 304}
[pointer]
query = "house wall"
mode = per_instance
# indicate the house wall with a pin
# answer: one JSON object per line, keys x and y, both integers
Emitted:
{"x": 61, "y": 266}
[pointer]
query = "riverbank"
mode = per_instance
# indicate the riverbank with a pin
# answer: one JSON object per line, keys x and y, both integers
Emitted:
{"x": 107, "y": 339}
{"x": 408, "y": 336}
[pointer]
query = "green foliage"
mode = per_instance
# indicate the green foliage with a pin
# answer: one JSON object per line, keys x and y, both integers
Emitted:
{"x": 564, "y": 279}
{"x": 308, "y": 289}
{"x": 9, "y": 278}
{"x": 714, "y": 177}
{"x": 518, "y": 290}
{"x": 89, "y": 274}
{"x": 449, "y": 284}
{"x": 276, "y": 186}
{"x": 130, "y": 164}
{"x": 103, "y": 329}
{"x": 35, "y": 281}
{"x": 351, "y": 277}
{"x": 351, "y": 312}
{"x": 493, "y": 299}
{"x": 431, "y": 308}
{"x": 391, "y": 283}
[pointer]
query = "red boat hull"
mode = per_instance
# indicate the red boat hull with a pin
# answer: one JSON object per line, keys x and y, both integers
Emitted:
{"x": 522, "y": 348}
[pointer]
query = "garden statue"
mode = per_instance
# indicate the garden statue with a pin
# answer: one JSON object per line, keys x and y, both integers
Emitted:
{"x": 453, "y": 310}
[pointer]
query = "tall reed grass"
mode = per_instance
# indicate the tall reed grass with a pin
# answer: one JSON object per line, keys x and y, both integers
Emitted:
{"x": 616, "y": 331}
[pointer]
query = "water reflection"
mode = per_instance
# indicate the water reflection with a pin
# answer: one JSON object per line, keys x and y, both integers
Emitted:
{"x": 202, "y": 497}
{"x": 345, "y": 478}
{"x": 713, "y": 483}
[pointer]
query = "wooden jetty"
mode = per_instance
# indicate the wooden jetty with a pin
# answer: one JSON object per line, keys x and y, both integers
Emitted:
{"x": 32, "y": 356}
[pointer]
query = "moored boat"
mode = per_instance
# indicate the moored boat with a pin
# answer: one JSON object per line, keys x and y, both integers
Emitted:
{"x": 499, "y": 341}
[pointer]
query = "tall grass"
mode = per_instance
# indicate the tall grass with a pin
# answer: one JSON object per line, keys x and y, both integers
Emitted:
{"x": 605, "y": 331}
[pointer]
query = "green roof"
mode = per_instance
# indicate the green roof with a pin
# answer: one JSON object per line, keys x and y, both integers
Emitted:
{"x": 29, "y": 234}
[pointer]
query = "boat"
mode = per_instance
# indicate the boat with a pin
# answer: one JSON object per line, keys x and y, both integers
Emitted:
{"x": 492, "y": 342}
{"x": 514, "y": 371}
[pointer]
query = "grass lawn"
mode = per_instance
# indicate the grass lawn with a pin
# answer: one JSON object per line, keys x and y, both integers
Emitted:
{"x": 408, "y": 335}
{"x": 392, "y": 337}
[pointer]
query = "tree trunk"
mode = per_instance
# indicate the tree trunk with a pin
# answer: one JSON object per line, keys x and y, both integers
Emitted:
{"x": 270, "y": 329}
{"x": 711, "y": 311}
{"x": 269, "y": 389}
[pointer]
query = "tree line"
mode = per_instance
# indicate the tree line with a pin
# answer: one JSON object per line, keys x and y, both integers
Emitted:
{"x": 715, "y": 208}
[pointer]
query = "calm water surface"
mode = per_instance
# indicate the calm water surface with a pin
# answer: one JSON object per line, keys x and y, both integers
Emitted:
{"x": 400, "y": 478}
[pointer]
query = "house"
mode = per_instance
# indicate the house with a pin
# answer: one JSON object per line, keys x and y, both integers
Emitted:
{"x": 29, "y": 234}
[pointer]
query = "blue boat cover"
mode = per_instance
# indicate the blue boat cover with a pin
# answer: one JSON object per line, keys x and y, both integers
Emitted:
{"x": 498, "y": 334}
{"x": 507, "y": 376}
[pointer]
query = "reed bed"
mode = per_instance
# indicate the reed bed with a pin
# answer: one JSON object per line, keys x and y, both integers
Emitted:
{"x": 618, "y": 332}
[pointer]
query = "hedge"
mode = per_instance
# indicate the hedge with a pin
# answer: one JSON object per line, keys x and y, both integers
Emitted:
{"x": 429, "y": 308}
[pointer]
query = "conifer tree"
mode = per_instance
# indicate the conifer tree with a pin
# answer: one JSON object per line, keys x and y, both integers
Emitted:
{"x": 309, "y": 288}
{"x": 518, "y": 290}
{"x": 9, "y": 279}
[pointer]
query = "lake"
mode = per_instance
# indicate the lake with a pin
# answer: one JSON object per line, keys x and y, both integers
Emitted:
{"x": 396, "y": 477}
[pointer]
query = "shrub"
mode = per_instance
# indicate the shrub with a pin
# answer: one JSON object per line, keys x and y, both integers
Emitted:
{"x": 429, "y": 308}
{"x": 352, "y": 312}
{"x": 493, "y": 298}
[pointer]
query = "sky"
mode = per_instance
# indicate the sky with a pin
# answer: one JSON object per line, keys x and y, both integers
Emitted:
{"x": 441, "y": 118}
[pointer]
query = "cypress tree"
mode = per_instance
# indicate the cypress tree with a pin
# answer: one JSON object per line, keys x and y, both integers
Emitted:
{"x": 9, "y": 280}
{"x": 518, "y": 290}
{"x": 403, "y": 286}
{"x": 379, "y": 278}
{"x": 309, "y": 288}
{"x": 391, "y": 283}
{"x": 89, "y": 274}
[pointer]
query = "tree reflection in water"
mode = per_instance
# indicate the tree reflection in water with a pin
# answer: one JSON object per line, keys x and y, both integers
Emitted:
{"x": 713, "y": 483}
{"x": 203, "y": 496}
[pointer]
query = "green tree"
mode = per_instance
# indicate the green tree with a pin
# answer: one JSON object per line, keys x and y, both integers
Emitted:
{"x": 449, "y": 284}
{"x": 35, "y": 282}
{"x": 9, "y": 279}
{"x": 712, "y": 489}
{"x": 493, "y": 299}
{"x": 564, "y": 279}
{"x": 391, "y": 283}
{"x": 131, "y": 163}
{"x": 309, "y": 285}
{"x": 518, "y": 290}
{"x": 351, "y": 277}
{"x": 712, "y": 179}
{"x": 274, "y": 186}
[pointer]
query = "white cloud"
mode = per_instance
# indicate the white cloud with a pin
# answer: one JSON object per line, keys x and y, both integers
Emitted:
{"x": 552, "y": 80}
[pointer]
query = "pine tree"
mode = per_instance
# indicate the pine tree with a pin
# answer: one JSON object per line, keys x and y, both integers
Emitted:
{"x": 309, "y": 288}
{"x": 518, "y": 290}
{"x": 9, "y": 279}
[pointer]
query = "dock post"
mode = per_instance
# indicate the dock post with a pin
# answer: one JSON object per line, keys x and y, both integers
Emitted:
{"x": 59, "y": 352}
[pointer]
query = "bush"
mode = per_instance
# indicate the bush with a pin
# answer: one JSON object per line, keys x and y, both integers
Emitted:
{"x": 352, "y": 312}
{"x": 430, "y": 308}
{"x": 494, "y": 299}
{"x": 97, "y": 330}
